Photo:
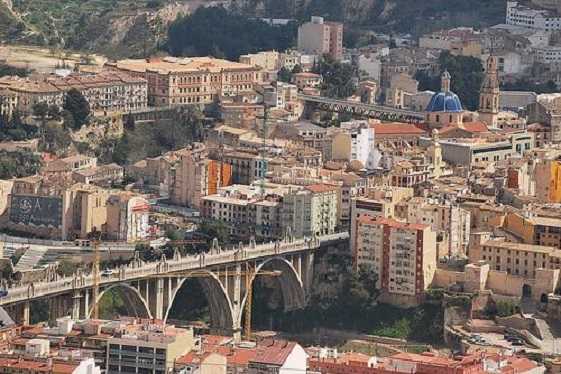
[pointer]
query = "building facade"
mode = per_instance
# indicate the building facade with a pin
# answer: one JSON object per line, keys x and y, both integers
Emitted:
{"x": 402, "y": 254}
{"x": 319, "y": 37}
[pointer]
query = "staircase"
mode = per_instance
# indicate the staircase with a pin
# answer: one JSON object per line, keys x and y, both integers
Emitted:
{"x": 31, "y": 258}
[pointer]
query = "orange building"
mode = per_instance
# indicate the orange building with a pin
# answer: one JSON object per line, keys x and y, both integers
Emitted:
{"x": 219, "y": 175}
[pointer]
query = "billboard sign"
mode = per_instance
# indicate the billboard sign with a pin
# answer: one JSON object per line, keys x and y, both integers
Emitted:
{"x": 36, "y": 210}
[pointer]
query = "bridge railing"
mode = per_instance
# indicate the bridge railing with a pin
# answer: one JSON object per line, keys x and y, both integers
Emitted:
{"x": 189, "y": 262}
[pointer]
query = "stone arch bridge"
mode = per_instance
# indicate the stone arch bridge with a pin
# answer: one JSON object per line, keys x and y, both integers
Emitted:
{"x": 149, "y": 289}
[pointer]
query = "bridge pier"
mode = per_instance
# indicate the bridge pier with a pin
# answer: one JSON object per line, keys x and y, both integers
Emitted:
{"x": 26, "y": 314}
{"x": 76, "y": 301}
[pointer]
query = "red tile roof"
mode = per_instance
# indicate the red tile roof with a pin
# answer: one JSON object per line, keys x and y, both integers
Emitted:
{"x": 473, "y": 127}
{"x": 319, "y": 188}
{"x": 396, "y": 128}
{"x": 368, "y": 220}
{"x": 274, "y": 352}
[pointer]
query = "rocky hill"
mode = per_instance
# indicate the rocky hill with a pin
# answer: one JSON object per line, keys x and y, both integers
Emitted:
{"x": 120, "y": 28}
{"x": 117, "y": 28}
{"x": 411, "y": 16}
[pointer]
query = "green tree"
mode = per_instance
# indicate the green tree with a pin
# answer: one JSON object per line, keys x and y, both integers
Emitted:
{"x": 232, "y": 34}
{"x": 54, "y": 112}
{"x": 55, "y": 138}
{"x": 77, "y": 105}
{"x": 338, "y": 79}
{"x": 284, "y": 75}
{"x": 215, "y": 229}
{"x": 41, "y": 110}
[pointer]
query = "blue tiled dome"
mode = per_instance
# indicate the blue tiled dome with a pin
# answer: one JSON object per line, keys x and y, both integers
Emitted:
{"x": 444, "y": 102}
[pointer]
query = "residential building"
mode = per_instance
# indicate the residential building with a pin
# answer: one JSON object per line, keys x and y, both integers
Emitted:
{"x": 149, "y": 349}
{"x": 450, "y": 222}
{"x": 246, "y": 211}
{"x": 241, "y": 115}
{"x": 355, "y": 141}
{"x": 127, "y": 217}
{"x": 514, "y": 258}
{"x": 104, "y": 175}
{"x": 195, "y": 176}
{"x": 277, "y": 356}
{"x": 8, "y": 102}
{"x": 397, "y": 133}
{"x": 313, "y": 210}
{"x": 548, "y": 173}
{"x": 190, "y": 80}
{"x": 307, "y": 82}
{"x": 105, "y": 91}
{"x": 268, "y": 61}
{"x": 29, "y": 365}
{"x": 467, "y": 151}
{"x": 532, "y": 18}
{"x": 319, "y": 37}
{"x": 246, "y": 166}
{"x": 402, "y": 254}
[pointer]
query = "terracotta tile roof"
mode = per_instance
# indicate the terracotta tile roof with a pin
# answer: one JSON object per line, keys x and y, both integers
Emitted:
{"x": 274, "y": 352}
{"x": 473, "y": 127}
{"x": 368, "y": 220}
{"x": 320, "y": 188}
{"x": 396, "y": 128}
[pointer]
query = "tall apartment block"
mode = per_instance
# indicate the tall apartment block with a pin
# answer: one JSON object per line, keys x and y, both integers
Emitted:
{"x": 319, "y": 37}
{"x": 403, "y": 255}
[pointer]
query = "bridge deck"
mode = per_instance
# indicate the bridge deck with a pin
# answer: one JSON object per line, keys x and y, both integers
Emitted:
{"x": 131, "y": 273}
{"x": 363, "y": 107}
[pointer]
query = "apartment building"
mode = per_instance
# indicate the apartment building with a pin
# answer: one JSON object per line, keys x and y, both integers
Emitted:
{"x": 402, "y": 254}
{"x": 313, "y": 210}
{"x": 548, "y": 173}
{"x": 247, "y": 167}
{"x": 105, "y": 91}
{"x": 355, "y": 141}
{"x": 532, "y": 18}
{"x": 190, "y": 80}
{"x": 8, "y": 102}
{"x": 246, "y": 211}
{"x": 67, "y": 211}
{"x": 103, "y": 175}
{"x": 467, "y": 151}
{"x": 451, "y": 222}
{"x": 195, "y": 176}
{"x": 150, "y": 349}
{"x": 319, "y": 37}
{"x": 515, "y": 258}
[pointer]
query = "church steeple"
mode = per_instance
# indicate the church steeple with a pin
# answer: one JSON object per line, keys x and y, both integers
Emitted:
{"x": 489, "y": 94}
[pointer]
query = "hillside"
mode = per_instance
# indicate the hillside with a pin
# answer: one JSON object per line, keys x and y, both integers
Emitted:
{"x": 410, "y": 16}
{"x": 117, "y": 28}
{"x": 135, "y": 28}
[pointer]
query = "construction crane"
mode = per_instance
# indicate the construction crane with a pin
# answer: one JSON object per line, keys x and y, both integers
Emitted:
{"x": 95, "y": 237}
{"x": 250, "y": 273}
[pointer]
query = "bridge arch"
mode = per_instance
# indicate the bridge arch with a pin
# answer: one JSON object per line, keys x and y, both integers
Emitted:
{"x": 134, "y": 300}
{"x": 220, "y": 306}
{"x": 290, "y": 282}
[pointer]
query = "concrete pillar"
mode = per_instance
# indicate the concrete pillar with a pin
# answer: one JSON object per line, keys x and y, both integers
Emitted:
{"x": 237, "y": 304}
{"x": 25, "y": 318}
{"x": 156, "y": 301}
{"x": 86, "y": 304}
{"x": 76, "y": 298}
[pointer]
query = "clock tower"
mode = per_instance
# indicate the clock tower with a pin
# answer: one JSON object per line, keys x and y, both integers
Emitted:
{"x": 489, "y": 94}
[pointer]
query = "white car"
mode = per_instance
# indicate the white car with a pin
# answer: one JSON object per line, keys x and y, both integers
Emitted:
{"x": 107, "y": 273}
